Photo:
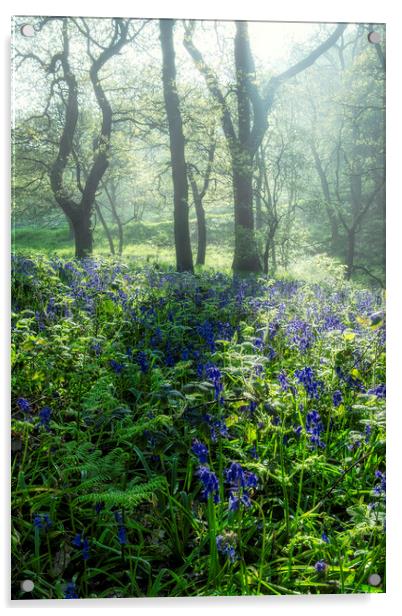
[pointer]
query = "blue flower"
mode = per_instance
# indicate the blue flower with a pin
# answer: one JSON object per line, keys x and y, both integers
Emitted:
{"x": 305, "y": 376}
{"x": 337, "y": 398}
{"x": 324, "y": 537}
{"x": 118, "y": 368}
{"x": 24, "y": 406}
{"x": 379, "y": 391}
{"x": 122, "y": 535}
{"x": 380, "y": 488}
{"x": 226, "y": 545}
{"x": 283, "y": 381}
{"x": 42, "y": 521}
{"x": 44, "y": 416}
{"x": 85, "y": 549}
{"x": 315, "y": 427}
{"x": 142, "y": 361}
{"x": 214, "y": 375}
{"x": 76, "y": 542}
{"x": 320, "y": 566}
{"x": 210, "y": 483}
{"x": 70, "y": 592}
{"x": 200, "y": 450}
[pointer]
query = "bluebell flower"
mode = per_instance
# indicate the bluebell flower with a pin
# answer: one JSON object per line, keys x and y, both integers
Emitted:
{"x": 116, "y": 366}
{"x": 314, "y": 427}
{"x": 380, "y": 488}
{"x": 214, "y": 375}
{"x": 142, "y": 361}
{"x": 324, "y": 537}
{"x": 337, "y": 398}
{"x": 70, "y": 592}
{"x": 379, "y": 391}
{"x": 85, "y": 549}
{"x": 226, "y": 545}
{"x": 24, "y": 405}
{"x": 305, "y": 376}
{"x": 320, "y": 566}
{"x": 122, "y": 535}
{"x": 76, "y": 542}
{"x": 200, "y": 450}
{"x": 44, "y": 416}
{"x": 283, "y": 381}
{"x": 210, "y": 483}
{"x": 42, "y": 521}
{"x": 99, "y": 507}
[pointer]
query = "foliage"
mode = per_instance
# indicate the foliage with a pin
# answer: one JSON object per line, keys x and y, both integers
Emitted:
{"x": 194, "y": 435}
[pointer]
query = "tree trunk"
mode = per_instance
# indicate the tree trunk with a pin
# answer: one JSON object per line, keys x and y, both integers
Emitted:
{"x": 105, "y": 228}
{"x": 201, "y": 224}
{"x": 184, "y": 257}
{"x": 245, "y": 253}
{"x": 350, "y": 256}
{"x": 70, "y": 230}
{"x": 82, "y": 236}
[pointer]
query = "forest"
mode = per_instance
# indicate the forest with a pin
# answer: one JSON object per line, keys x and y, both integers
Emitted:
{"x": 198, "y": 308}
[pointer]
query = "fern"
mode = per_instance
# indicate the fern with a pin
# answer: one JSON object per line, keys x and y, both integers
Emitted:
{"x": 129, "y": 498}
{"x": 155, "y": 423}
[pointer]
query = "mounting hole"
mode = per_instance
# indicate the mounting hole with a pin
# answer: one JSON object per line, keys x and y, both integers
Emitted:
{"x": 374, "y": 37}
{"x": 374, "y": 579}
{"x": 27, "y": 585}
{"x": 27, "y": 30}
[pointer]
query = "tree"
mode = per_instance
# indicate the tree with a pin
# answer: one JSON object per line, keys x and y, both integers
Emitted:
{"x": 184, "y": 257}
{"x": 243, "y": 141}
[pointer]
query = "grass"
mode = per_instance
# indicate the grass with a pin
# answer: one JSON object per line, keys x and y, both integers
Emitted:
{"x": 178, "y": 435}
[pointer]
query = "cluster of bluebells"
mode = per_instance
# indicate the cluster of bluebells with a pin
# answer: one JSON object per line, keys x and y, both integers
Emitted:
{"x": 240, "y": 483}
{"x": 209, "y": 482}
{"x": 380, "y": 487}
{"x": 82, "y": 544}
{"x": 226, "y": 545}
{"x": 300, "y": 334}
{"x": 314, "y": 428}
{"x": 306, "y": 377}
{"x": 351, "y": 381}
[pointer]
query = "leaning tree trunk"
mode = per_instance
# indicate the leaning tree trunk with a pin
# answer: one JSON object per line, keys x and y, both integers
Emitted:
{"x": 105, "y": 227}
{"x": 201, "y": 223}
{"x": 184, "y": 257}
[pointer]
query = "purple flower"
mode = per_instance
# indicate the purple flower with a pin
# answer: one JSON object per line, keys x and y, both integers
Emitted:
{"x": 379, "y": 391}
{"x": 305, "y": 376}
{"x": 320, "y": 566}
{"x": 337, "y": 398}
{"x": 225, "y": 544}
{"x": 200, "y": 450}
{"x": 315, "y": 427}
{"x": 24, "y": 405}
{"x": 44, "y": 416}
{"x": 122, "y": 535}
{"x": 118, "y": 368}
{"x": 210, "y": 483}
{"x": 70, "y": 592}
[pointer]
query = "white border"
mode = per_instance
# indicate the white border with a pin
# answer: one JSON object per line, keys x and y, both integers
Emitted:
{"x": 387, "y": 11}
